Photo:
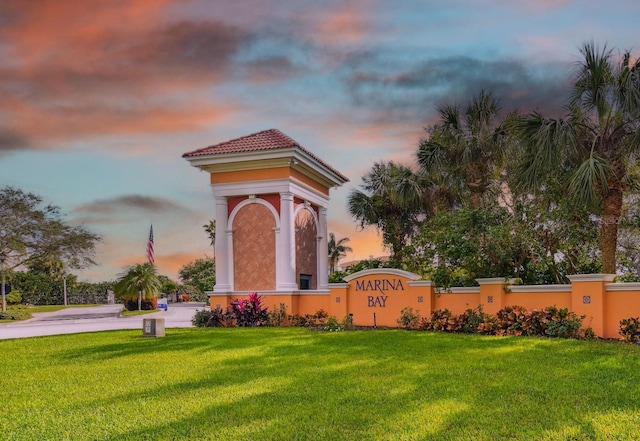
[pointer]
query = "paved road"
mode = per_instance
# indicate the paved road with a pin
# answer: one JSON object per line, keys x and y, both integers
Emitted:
{"x": 95, "y": 318}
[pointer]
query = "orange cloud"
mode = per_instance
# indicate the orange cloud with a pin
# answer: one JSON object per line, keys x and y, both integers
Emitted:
{"x": 105, "y": 67}
{"x": 365, "y": 243}
{"x": 170, "y": 264}
{"x": 345, "y": 24}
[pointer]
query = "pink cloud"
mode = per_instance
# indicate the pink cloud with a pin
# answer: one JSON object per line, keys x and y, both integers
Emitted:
{"x": 345, "y": 24}
{"x": 99, "y": 68}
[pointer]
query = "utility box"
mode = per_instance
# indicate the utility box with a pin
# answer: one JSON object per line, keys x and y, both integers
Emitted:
{"x": 153, "y": 327}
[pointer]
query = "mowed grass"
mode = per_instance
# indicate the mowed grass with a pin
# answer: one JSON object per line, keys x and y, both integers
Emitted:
{"x": 294, "y": 384}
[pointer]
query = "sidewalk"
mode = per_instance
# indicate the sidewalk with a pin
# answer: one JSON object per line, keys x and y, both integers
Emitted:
{"x": 95, "y": 318}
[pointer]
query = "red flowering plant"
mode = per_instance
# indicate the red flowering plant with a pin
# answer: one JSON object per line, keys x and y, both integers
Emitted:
{"x": 249, "y": 312}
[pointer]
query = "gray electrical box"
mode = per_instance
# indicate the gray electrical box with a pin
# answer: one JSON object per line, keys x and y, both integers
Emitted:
{"x": 153, "y": 327}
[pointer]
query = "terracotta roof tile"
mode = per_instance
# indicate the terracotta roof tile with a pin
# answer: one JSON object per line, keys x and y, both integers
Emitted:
{"x": 272, "y": 139}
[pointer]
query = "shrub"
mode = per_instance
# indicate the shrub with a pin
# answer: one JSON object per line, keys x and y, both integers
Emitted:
{"x": 629, "y": 329}
{"x": 469, "y": 321}
{"x": 219, "y": 318}
{"x": 441, "y": 320}
{"x": 200, "y": 318}
{"x": 409, "y": 318}
{"x": 14, "y": 297}
{"x": 510, "y": 320}
{"x": 216, "y": 318}
{"x": 332, "y": 324}
{"x": 146, "y": 305}
{"x": 489, "y": 325}
{"x": 315, "y": 321}
{"x": 311, "y": 321}
{"x": 297, "y": 321}
{"x": 347, "y": 322}
{"x": 16, "y": 313}
{"x": 337, "y": 277}
{"x": 278, "y": 317}
{"x": 248, "y": 312}
{"x": 562, "y": 323}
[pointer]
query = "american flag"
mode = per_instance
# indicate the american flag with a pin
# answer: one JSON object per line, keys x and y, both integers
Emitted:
{"x": 150, "y": 255}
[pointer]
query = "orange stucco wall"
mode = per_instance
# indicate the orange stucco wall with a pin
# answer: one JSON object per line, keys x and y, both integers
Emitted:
{"x": 381, "y": 296}
{"x": 456, "y": 302}
{"x": 304, "y": 179}
{"x": 265, "y": 174}
{"x": 539, "y": 300}
{"x": 387, "y": 294}
{"x": 620, "y": 305}
{"x": 312, "y": 303}
{"x": 262, "y": 174}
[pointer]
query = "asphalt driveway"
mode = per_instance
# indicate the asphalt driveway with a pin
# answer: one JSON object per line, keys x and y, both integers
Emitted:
{"x": 95, "y": 318}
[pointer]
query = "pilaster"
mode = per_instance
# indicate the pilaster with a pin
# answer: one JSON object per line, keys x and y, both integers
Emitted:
{"x": 588, "y": 298}
{"x": 323, "y": 247}
{"x": 223, "y": 275}
{"x": 492, "y": 294}
{"x": 287, "y": 252}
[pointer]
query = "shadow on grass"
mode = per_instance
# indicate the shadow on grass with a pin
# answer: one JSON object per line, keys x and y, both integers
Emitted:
{"x": 362, "y": 398}
{"x": 290, "y": 384}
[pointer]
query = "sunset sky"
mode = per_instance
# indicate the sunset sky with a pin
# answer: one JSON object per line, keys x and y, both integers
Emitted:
{"x": 99, "y": 99}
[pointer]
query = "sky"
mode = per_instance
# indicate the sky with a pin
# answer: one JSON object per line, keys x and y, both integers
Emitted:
{"x": 99, "y": 99}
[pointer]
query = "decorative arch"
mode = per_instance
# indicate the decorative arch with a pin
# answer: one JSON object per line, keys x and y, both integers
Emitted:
{"x": 253, "y": 200}
{"x": 307, "y": 247}
{"x": 252, "y": 236}
{"x": 307, "y": 207}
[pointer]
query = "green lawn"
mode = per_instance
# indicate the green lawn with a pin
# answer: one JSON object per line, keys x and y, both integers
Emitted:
{"x": 294, "y": 384}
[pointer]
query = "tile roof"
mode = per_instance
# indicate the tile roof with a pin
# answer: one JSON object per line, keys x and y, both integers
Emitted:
{"x": 272, "y": 139}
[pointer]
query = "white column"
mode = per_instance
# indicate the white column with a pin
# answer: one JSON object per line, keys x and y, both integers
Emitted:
{"x": 222, "y": 247}
{"x": 323, "y": 250}
{"x": 286, "y": 261}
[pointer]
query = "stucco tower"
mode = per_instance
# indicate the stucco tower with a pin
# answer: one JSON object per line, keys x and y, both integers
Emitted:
{"x": 271, "y": 197}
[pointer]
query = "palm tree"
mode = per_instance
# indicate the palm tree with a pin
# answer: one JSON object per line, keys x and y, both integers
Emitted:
{"x": 210, "y": 229}
{"x": 465, "y": 149}
{"x": 392, "y": 201}
{"x": 594, "y": 145}
{"x": 337, "y": 250}
{"x": 138, "y": 280}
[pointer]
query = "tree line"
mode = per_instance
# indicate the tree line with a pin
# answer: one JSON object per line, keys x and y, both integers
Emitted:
{"x": 518, "y": 195}
{"x": 39, "y": 251}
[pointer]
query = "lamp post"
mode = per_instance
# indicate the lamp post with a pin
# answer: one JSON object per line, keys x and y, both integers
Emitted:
{"x": 3, "y": 284}
{"x": 64, "y": 288}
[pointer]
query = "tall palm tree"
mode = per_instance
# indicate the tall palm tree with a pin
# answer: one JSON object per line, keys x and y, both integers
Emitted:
{"x": 592, "y": 147}
{"x": 138, "y": 280}
{"x": 390, "y": 200}
{"x": 337, "y": 250}
{"x": 466, "y": 148}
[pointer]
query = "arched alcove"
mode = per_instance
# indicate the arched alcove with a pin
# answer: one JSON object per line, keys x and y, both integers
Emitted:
{"x": 306, "y": 249}
{"x": 254, "y": 249}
